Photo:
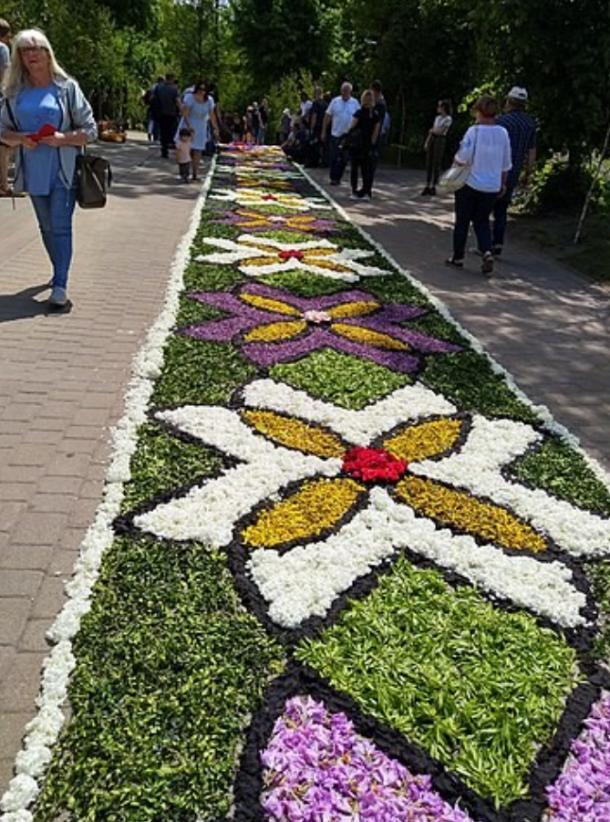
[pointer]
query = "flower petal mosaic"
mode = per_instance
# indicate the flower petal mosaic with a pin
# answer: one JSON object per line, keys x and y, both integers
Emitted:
{"x": 352, "y": 574}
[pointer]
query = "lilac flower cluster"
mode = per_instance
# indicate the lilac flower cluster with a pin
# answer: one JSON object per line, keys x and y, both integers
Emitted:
{"x": 582, "y": 792}
{"x": 317, "y": 769}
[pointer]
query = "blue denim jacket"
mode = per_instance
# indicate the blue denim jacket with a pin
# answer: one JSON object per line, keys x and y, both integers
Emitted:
{"x": 76, "y": 114}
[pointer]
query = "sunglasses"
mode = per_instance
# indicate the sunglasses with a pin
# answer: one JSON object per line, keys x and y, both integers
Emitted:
{"x": 31, "y": 49}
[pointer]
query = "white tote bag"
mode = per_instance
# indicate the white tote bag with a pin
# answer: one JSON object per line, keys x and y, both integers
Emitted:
{"x": 455, "y": 177}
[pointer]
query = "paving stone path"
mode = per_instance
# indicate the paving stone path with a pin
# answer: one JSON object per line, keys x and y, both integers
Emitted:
{"x": 62, "y": 378}
{"x": 543, "y": 322}
{"x": 62, "y": 381}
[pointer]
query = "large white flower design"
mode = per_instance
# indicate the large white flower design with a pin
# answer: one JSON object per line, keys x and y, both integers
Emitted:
{"x": 261, "y": 197}
{"x": 301, "y": 578}
{"x": 259, "y": 256}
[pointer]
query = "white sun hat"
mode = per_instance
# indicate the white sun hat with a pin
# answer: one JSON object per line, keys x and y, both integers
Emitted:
{"x": 518, "y": 93}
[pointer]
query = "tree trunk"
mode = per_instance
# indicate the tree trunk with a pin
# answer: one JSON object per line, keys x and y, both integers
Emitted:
{"x": 595, "y": 178}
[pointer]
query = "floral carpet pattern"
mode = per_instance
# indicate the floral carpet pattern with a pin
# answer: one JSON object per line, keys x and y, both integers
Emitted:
{"x": 354, "y": 576}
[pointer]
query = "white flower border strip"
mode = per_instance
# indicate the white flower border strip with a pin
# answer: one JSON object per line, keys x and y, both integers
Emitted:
{"x": 549, "y": 421}
{"x": 43, "y": 731}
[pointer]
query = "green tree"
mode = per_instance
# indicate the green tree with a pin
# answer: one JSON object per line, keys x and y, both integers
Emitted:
{"x": 560, "y": 50}
{"x": 280, "y": 37}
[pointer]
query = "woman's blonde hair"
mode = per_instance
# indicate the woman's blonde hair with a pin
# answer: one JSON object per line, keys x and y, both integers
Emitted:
{"x": 17, "y": 76}
{"x": 365, "y": 94}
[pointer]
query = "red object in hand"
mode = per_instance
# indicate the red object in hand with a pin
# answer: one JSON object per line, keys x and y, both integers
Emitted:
{"x": 44, "y": 131}
{"x": 373, "y": 465}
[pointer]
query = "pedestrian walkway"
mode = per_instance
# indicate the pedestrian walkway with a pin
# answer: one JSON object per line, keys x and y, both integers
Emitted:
{"x": 544, "y": 323}
{"x": 62, "y": 382}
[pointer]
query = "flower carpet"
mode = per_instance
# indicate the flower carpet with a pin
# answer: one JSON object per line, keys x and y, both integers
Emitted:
{"x": 343, "y": 570}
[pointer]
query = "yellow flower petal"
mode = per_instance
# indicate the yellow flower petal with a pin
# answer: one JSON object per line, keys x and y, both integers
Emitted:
{"x": 355, "y": 309}
{"x": 316, "y": 507}
{"x": 459, "y": 509}
{"x": 296, "y": 434}
{"x": 249, "y": 182}
{"x": 427, "y": 439}
{"x": 369, "y": 337}
{"x": 253, "y": 262}
{"x": 269, "y": 304}
{"x": 276, "y": 331}
{"x": 329, "y": 265}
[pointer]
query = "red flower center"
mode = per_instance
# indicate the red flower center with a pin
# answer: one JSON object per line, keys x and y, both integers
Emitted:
{"x": 373, "y": 465}
{"x": 291, "y": 254}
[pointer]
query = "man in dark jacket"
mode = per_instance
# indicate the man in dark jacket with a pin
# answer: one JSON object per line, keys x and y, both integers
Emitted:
{"x": 166, "y": 100}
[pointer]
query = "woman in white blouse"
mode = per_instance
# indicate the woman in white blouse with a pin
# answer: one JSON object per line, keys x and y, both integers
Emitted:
{"x": 435, "y": 145}
{"x": 486, "y": 149}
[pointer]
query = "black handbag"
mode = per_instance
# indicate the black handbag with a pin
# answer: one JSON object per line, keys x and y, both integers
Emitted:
{"x": 93, "y": 179}
{"x": 353, "y": 141}
{"x": 93, "y": 175}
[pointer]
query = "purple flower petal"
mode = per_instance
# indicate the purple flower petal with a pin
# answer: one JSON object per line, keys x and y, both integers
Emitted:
{"x": 316, "y": 768}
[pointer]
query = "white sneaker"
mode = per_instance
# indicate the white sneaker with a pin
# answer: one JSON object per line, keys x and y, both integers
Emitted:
{"x": 58, "y": 296}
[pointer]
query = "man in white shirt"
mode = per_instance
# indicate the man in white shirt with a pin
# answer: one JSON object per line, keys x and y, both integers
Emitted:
{"x": 338, "y": 119}
{"x": 5, "y": 59}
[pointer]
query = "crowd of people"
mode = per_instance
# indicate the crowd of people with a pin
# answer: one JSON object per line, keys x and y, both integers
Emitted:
{"x": 332, "y": 131}
{"x": 186, "y": 121}
{"x": 45, "y": 121}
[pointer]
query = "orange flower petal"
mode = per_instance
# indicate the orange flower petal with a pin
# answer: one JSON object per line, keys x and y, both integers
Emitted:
{"x": 316, "y": 507}
{"x": 459, "y": 509}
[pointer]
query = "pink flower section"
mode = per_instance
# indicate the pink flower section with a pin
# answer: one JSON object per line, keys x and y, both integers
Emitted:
{"x": 317, "y": 769}
{"x": 582, "y": 792}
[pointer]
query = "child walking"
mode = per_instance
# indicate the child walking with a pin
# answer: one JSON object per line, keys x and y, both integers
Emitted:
{"x": 435, "y": 145}
{"x": 184, "y": 144}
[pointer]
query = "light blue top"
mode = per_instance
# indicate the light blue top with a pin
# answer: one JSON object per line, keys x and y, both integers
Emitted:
{"x": 487, "y": 150}
{"x": 35, "y": 107}
{"x": 75, "y": 113}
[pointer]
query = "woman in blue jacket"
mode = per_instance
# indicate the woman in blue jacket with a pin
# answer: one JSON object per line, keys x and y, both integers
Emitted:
{"x": 47, "y": 118}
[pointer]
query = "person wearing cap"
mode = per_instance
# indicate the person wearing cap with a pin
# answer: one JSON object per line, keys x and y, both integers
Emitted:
{"x": 522, "y": 134}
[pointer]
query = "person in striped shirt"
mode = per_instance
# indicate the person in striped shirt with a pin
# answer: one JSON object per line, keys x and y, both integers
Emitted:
{"x": 522, "y": 134}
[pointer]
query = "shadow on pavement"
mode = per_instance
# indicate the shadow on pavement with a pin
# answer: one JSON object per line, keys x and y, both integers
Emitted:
{"x": 22, "y": 305}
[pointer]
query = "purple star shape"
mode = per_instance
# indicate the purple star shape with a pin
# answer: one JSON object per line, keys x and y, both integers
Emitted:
{"x": 318, "y": 225}
{"x": 387, "y": 319}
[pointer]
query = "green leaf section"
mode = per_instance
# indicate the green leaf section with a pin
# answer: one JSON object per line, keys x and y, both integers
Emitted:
{"x": 340, "y": 378}
{"x": 203, "y": 277}
{"x": 163, "y": 462}
{"x": 192, "y": 312}
{"x": 170, "y": 666}
{"x": 599, "y": 577}
{"x": 437, "y": 326}
{"x": 561, "y": 471}
{"x": 469, "y": 381}
{"x": 304, "y": 284}
{"x": 477, "y": 687}
{"x": 199, "y": 373}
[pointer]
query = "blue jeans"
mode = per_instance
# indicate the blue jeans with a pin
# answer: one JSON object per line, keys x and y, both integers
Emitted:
{"x": 474, "y": 207}
{"x": 54, "y": 214}
{"x": 501, "y": 216}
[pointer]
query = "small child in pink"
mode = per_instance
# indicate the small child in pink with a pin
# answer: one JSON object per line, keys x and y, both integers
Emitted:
{"x": 183, "y": 153}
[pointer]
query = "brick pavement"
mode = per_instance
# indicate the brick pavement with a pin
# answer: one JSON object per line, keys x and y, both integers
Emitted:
{"x": 543, "y": 322}
{"x": 62, "y": 381}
